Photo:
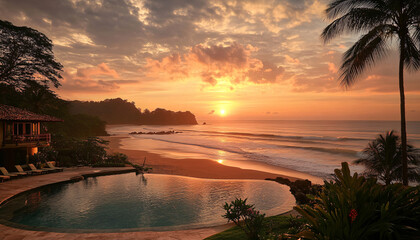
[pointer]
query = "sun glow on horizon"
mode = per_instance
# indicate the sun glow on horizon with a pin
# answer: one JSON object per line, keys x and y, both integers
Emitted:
{"x": 222, "y": 112}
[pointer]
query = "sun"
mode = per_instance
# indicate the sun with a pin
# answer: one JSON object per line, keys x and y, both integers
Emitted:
{"x": 222, "y": 112}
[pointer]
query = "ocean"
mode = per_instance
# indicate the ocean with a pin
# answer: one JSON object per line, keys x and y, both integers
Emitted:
{"x": 314, "y": 148}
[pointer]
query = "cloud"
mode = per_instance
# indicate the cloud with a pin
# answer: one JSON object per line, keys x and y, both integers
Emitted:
{"x": 332, "y": 68}
{"x": 217, "y": 63}
{"x": 234, "y": 54}
{"x": 212, "y": 112}
{"x": 96, "y": 79}
{"x": 217, "y": 42}
{"x": 99, "y": 70}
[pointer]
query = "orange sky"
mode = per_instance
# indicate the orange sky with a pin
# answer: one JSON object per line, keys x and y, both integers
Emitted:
{"x": 253, "y": 59}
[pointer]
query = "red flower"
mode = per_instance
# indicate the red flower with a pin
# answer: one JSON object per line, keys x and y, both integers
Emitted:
{"x": 353, "y": 214}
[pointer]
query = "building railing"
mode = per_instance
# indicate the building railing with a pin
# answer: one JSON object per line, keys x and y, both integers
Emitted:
{"x": 29, "y": 138}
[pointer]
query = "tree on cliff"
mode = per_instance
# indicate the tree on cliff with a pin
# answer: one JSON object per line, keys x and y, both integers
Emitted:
{"x": 26, "y": 56}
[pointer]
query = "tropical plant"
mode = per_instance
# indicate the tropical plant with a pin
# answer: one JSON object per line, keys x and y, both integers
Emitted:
{"x": 381, "y": 22}
{"x": 245, "y": 217}
{"x": 352, "y": 207}
{"x": 382, "y": 159}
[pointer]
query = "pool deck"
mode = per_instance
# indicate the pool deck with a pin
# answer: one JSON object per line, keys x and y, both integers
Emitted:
{"x": 10, "y": 188}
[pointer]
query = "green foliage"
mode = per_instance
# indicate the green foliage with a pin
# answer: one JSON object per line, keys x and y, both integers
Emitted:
{"x": 26, "y": 56}
{"x": 352, "y": 207}
{"x": 113, "y": 160}
{"x": 274, "y": 226}
{"x": 297, "y": 225}
{"x": 117, "y": 158}
{"x": 382, "y": 159}
{"x": 45, "y": 154}
{"x": 75, "y": 151}
{"x": 246, "y": 217}
{"x": 90, "y": 151}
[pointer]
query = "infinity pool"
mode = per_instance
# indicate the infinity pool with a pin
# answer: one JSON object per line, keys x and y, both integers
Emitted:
{"x": 139, "y": 202}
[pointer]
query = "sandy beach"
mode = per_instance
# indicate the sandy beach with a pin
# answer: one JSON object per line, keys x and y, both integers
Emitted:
{"x": 201, "y": 168}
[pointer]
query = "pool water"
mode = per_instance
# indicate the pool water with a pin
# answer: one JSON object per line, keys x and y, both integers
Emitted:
{"x": 141, "y": 202}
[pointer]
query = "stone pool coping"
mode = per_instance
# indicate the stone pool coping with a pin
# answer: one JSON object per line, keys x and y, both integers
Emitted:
{"x": 11, "y": 188}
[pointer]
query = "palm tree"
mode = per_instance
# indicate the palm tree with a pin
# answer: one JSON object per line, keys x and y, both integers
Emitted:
{"x": 382, "y": 159}
{"x": 380, "y": 22}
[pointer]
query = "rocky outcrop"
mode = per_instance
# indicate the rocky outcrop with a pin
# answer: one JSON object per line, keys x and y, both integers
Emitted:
{"x": 299, "y": 188}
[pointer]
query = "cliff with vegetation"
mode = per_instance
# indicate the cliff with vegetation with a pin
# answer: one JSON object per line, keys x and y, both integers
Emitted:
{"x": 119, "y": 111}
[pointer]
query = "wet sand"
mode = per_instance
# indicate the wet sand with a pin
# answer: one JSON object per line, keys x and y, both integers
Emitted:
{"x": 200, "y": 168}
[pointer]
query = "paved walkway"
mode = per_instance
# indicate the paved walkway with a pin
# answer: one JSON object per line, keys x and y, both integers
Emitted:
{"x": 13, "y": 187}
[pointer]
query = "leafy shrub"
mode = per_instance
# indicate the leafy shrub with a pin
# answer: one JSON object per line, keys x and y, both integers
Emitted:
{"x": 246, "y": 217}
{"x": 117, "y": 158}
{"x": 90, "y": 151}
{"x": 74, "y": 151}
{"x": 44, "y": 155}
{"x": 66, "y": 161}
{"x": 113, "y": 160}
{"x": 297, "y": 225}
{"x": 352, "y": 207}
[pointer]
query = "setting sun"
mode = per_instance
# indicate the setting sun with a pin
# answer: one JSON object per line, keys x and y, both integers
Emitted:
{"x": 222, "y": 112}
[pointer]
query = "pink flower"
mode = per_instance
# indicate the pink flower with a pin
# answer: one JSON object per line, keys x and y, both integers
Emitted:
{"x": 353, "y": 215}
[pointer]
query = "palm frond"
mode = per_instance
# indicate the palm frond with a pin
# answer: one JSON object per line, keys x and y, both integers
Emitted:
{"x": 338, "y": 7}
{"x": 364, "y": 53}
{"x": 412, "y": 54}
{"x": 356, "y": 20}
{"x": 416, "y": 34}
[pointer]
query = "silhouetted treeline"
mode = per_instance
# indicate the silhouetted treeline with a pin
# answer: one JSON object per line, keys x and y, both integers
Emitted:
{"x": 119, "y": 111}
{"x": 112, "y": 111}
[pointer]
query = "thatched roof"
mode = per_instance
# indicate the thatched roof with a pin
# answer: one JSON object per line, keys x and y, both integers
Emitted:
{"x": 9, "y": 113}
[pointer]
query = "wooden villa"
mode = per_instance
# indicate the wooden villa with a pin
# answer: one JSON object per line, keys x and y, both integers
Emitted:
{"x": 21, "y": 130}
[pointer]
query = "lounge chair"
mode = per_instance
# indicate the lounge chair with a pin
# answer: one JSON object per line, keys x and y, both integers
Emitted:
{"x": 20, "y": 170}
{"x": 34, "y": 169}
{"x": 3, "y": 178}
{"x": 51, "y": 165}
{"x": 6, "y": 173}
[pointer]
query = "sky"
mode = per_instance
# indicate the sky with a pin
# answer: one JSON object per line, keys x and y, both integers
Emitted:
{"x": 219, "y": 59}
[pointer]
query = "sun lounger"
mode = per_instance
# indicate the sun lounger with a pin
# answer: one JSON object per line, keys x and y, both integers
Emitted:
{"x": 50, "y": 165}
{"x": 52, "y": 170}
{"x": 3, "y": 178}
{"x": 33, "y": 168}
{"x": 20, "y": 169}
{"x": 6, "y": 173}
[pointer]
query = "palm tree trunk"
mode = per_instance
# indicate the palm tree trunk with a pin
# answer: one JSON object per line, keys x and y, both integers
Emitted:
{"x": 402, "y": 109}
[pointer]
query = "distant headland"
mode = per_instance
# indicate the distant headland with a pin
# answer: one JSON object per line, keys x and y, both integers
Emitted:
{"x": 119, "y": 111}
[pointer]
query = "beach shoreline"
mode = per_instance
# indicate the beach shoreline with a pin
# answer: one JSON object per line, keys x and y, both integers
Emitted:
{"x": 200, "y": 168}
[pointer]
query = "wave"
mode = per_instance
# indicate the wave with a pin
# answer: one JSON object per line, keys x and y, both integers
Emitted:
{"x": 237, "y": 151}
{"x": 253, "y": 156}
{"x": 274, "y": 136}
{"x": 340, "y": 151}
